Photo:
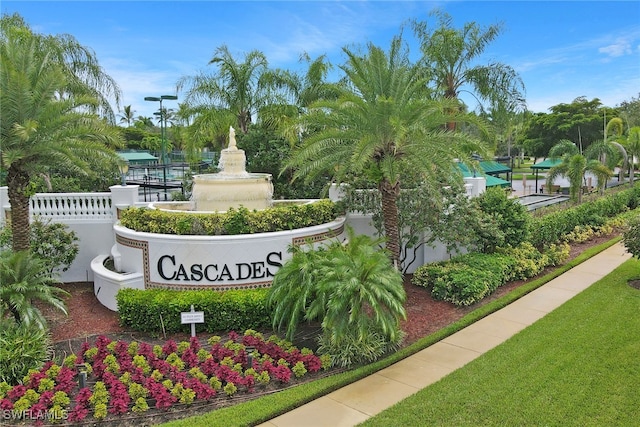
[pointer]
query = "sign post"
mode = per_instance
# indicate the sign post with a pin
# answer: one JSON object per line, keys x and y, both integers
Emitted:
{"x": 192, "y": 317}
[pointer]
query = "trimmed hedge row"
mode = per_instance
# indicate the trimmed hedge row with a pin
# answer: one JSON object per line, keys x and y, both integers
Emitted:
{"x": 152, "y": 309}
{"x": 466, "y": 279}
{"x": 553, "y": 226}
{"x": 232, "y": 222}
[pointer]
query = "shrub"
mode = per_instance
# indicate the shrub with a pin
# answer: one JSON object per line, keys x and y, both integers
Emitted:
{"x": 233, "y": 222}
{"x": 631, "y": 236}
{"x": 464, "y": 285}
{"x": 511, "y": 217}
{"x": 351, "y": 288}
{"x": 529, "y": 261}
{"x": 551, "y": 227}
{"x": 152, "y": 309}
{"x": 499, "y": 264}
{"x": 557, "y": 254}
{"x": 351, "y": 349}
{"x": 23, "y": 279}
{"x": 53, "y": 243}
{"x": 426, "y": 275}
{"x": 467, "y": 278}
{"x": 29, "y": 342}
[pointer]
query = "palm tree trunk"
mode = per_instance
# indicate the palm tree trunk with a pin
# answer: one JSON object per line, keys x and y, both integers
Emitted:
{"x": 450, "y": 93}
{"x": 389, "y": 193}
{"x": 244, "y": 120}
{"x": 17, "y": 182}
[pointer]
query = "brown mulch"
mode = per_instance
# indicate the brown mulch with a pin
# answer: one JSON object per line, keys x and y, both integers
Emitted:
{"x": 87, "y": 317}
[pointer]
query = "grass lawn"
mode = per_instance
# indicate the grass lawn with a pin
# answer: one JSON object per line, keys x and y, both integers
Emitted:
{"x": 518, "y": 176}
{"x": 577, "y": 366}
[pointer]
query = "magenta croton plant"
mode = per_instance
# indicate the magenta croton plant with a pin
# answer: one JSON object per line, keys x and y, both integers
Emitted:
{"x": 125, "y": 377}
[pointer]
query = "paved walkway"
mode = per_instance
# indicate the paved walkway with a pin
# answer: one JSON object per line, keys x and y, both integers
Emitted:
{"x": 363, "y": 399}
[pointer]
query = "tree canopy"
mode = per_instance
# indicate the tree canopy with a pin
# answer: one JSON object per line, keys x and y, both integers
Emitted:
{"x": 382, "y": 126}
{"x": 52, "y": 89}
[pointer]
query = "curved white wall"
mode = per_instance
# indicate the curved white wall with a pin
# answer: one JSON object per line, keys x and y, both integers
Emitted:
{"x": 221, "y": 262}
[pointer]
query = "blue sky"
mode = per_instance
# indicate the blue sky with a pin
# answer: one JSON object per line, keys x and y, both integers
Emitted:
{"x": 562, "y": 50}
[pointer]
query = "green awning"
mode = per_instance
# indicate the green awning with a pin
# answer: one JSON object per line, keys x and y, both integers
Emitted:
{"x": 138, "y": 157}
{"x": 492, "y": 167}
{"x": 547, "y": 164}
{"x": 492, "y": 181}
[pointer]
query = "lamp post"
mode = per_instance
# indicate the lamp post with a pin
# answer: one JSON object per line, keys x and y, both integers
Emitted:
{"x": 163, "y": 143}
{"x": 123, "y": 167}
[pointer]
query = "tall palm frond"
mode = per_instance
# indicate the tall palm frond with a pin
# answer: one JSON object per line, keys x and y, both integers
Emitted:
{"x": 384, "y": 127}
{"x": 48, "y": 114}
{"x": 632, "y": 146}
{"x": 451, "y": 56}
{"x": 238, "y": 89}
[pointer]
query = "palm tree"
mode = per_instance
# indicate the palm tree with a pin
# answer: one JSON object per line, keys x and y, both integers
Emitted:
{"x": 235, "y": 94}
{"x": 144, "y": 122}
{"x": 25, "y": 278}
{"x": 381, "y": 126}
{"x": 632, "y": 145}
{"x": 451, "y": 55}
{"x": 349, "y": 287}
{"x": 50, "y": 91}
{"x": 305, "y": 89}
{"x": 574, "y": 166}
{"x": 313, "y": 85}
{"x": 128, "y": 115}
{"x": 609, "y": 153}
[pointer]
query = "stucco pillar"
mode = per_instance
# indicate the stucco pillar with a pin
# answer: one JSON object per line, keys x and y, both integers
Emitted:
{"x": 337, "y": 192}
{"x": 479, "y": 185}
{"x": 4, "y": 203}
{"x": 123, "y": 196}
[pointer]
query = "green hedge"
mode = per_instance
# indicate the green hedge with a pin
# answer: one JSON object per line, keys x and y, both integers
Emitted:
{"x": 466, "y": 279}
{"x": 148, "y": 310}
{"x": 232, "y": 222}
{"x": 550, "y": 228}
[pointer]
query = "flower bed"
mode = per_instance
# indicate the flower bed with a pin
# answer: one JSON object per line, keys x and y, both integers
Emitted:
{"x": 132, "y": 377}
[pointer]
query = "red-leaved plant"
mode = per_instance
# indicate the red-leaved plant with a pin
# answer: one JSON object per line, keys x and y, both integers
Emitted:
{"x": 191, "y": 370}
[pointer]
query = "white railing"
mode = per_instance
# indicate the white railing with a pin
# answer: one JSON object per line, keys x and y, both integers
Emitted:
{"x": 72, "y": 205}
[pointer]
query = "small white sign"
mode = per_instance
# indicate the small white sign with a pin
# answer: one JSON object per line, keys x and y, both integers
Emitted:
{"x": 191, "y": 317}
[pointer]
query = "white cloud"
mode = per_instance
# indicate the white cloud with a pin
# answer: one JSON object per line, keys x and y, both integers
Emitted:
{"x": 620, "y": 47}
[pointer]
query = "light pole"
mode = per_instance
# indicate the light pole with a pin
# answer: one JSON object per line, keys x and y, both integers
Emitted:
{"x": 123, "y": 167}
{"x": 163, "y": 143}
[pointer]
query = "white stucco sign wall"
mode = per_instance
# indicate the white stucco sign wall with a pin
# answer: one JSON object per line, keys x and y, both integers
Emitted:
{"x": 223, "y": 262}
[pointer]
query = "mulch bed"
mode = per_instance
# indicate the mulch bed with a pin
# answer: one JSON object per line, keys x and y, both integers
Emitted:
{"x": 87, "y": 319}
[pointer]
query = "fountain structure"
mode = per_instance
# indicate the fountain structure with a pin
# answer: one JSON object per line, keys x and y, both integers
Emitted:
{"x": 183, "y": 262}
{"x": 233, "y": 186}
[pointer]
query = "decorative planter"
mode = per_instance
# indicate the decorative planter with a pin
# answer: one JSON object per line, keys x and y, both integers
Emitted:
{"x": 166, "y": 261}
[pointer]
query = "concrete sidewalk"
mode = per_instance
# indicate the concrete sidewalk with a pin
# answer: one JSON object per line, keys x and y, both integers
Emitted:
{"x": 363, "y": 399}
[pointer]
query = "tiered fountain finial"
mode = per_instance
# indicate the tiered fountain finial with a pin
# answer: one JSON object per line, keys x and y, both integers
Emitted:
{"x": 233, "y": 186}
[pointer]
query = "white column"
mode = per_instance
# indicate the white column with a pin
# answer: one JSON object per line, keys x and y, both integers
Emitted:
{"x": 123, "y": 196}
{"x": 337, "y": 192}
{"x": 4, "y": 203}
{"x": 479, "y": 185}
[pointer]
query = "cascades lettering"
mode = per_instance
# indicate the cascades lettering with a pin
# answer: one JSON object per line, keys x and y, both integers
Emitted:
{"x": 169, "y": 269}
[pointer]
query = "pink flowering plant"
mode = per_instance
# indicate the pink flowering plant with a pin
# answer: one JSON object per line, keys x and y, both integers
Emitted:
{"x": 134, "y": 377}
